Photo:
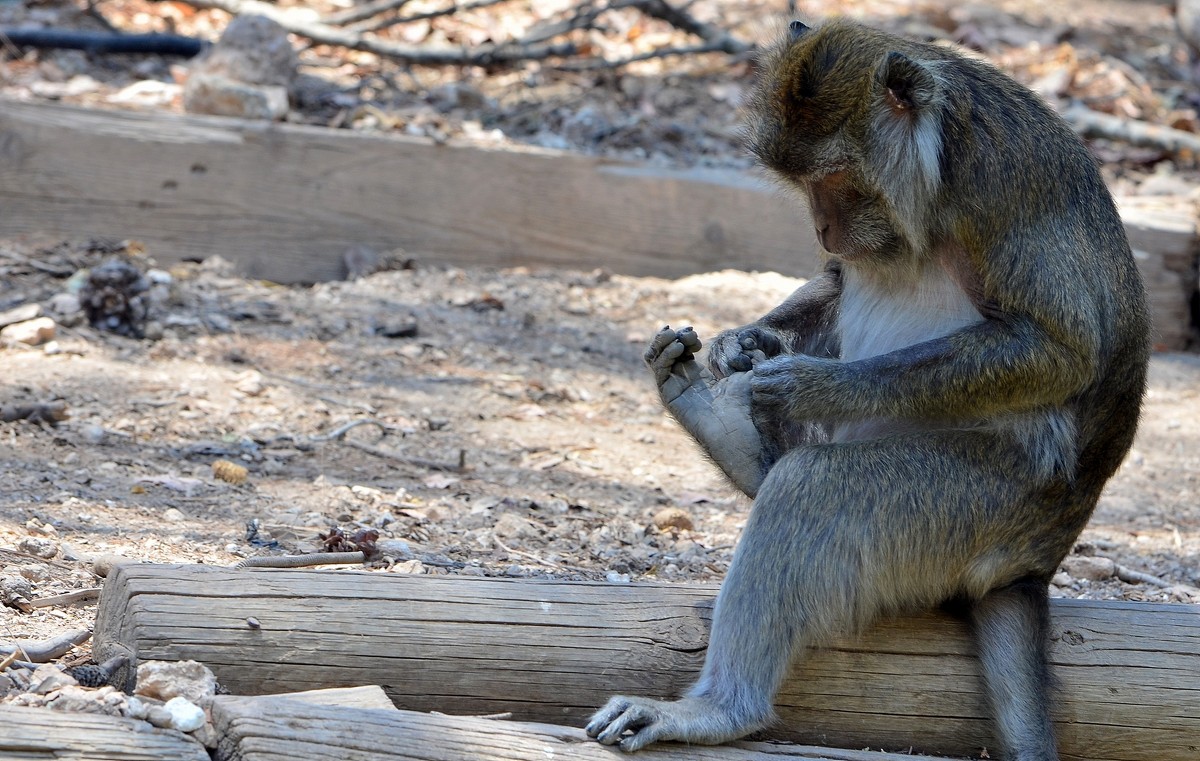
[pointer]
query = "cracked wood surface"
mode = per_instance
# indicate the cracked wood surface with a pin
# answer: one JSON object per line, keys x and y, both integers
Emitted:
{"x": 27, "y": 734}
{"x": 280, "y": 729}
{"x": 555, "y": 651}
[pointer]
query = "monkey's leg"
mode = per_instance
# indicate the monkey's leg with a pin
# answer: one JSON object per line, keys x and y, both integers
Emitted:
{"x": 838, "y": 533}
{"x": 715, "y": 412}
{"x": 1012, "y": 626}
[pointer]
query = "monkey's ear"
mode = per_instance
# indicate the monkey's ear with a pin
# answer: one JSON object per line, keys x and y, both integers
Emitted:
{"x": 908, "y": 85}
{"x": 796, "y": 30}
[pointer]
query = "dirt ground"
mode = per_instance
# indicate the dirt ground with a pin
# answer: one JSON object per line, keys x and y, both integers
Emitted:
{"x": 532, "y": 379}
{"x": 353, "y": 404}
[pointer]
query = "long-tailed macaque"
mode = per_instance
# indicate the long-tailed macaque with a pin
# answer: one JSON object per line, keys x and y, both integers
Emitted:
{"x": 933, "y": 417}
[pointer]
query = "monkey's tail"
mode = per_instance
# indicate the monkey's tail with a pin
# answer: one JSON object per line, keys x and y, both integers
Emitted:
{"x": 1012, "y": 629}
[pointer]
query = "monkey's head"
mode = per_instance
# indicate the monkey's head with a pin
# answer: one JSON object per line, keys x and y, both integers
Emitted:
{"x": 851, "y": 117}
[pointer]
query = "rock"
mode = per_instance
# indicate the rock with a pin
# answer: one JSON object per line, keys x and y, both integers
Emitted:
{"x": 398, "y": 327}
{"x": 65, "y": 304}
{"x": 185, "y": 715}
{"x": 395, "y": 549}
{"x": 49, "y": 677}
{"x": 31, "y": 332}
{"x": 213, "y": 94}
{"x": 23, "y": 313}
{"x": 164, "y": 680}
{"x": 1090, "y": 568}
{"x": 246, "y": 74}
{"x": 673, "y": 517}
{"x": 173, "y": 515}
{"x": 254, "y": 50}
{"x": 37, "y": 545}
{"x": 617, "y": 578}
{"x": 251, "y": 383}
{"x": 15, "y": 590}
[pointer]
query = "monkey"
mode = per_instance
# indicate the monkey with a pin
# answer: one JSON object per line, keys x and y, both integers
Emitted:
{"x": 930, "y": 420}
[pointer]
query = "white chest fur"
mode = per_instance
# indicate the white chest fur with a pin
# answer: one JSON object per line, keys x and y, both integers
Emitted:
{"x": 879, "y": 317}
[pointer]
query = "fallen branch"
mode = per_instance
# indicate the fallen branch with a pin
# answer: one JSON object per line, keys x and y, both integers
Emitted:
{"x": 433, "y": 56}
{"x": 104, "y": 42}
{"x": 79, "y": 595}
{"x": 1130, "y": 576}
{"x": 1091, "y": 124}
{"x": 681, "y": 19}
{"x": 416, "y": 462}
{"x": 46, "y": 650}
{"x": 362, "y": 12}
{"x": 38, "y": 412}
{"x": 376, "y": 26}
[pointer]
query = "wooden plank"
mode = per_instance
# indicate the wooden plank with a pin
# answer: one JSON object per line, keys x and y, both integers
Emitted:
{"x": 27, "y": 734}
{"x": 1162, "y": 233}
{"x": 279, "y": 729}
{"x": 366, "y": 696}
{"x": 286, "y": 201}
{"x": 555, "y": 651}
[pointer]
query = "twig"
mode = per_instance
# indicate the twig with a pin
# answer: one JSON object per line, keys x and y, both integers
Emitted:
{"x": 416, "y": 462}
{"x": 342, "y": 430}
{"x": 38, "y": 412}
{"x": 433, "y": 56}
{"x": 104, "y": 42}
{"x": 1091, "y": 124}
{"x": 681, "y": 19}
{"x": 66, "y": 598}
{"x": 362, "y": 12}
{"x": 1130, "y": 576}
{"x": 538, "y": 560}
{"x": 376, "y": 26}
{"x": 302, "y": 561}
{"x": 46, "y": 650}
{"x": 602, "y": 63}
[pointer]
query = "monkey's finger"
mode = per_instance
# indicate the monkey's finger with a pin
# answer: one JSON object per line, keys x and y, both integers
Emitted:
{"x": 666, "y": 361}
{"x": 605, "y": 716}
{"x": 739, "y": 363}
{"x": 690, "y": 340}
{"x": 661, "y": 341}
{"x": 635, "y": 718}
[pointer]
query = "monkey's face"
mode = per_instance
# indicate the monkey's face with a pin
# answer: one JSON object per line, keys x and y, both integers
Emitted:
{"x": 854, "y": 125}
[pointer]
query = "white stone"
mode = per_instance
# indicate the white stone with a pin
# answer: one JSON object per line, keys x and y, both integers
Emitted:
{"x": 185, "y": 715}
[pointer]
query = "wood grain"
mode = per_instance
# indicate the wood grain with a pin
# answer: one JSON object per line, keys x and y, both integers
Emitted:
{"x": 555, "y": 651}
{"x": 285, "y": 201}
{"x": 279, "y": 729}
{"x": 27, "y": 734}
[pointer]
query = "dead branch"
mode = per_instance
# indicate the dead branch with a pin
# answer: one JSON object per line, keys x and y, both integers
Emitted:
{"x": 362, "y": 12}
{"x": 104, "y": 42}
{"x": 602, "y": 63}
{"x": 416, "y": 462}
{"x": 1131, "y": 576}
{"x": 681, "y": 19}
{"x": 342, "y": 430}
{"x": 303, "y": 561}
{"x": 433, "y": 56}
{"x": 376, "y": 26}
{"x": 46, "y": 650}
{"x": 38, "y": 412}
{"x": 79, "y": 595}
{"x": 1092, "y": 124}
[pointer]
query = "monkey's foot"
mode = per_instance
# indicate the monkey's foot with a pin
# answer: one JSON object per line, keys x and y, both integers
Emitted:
{"x": 690, "y": 720}
{"x": 715, "y": 412}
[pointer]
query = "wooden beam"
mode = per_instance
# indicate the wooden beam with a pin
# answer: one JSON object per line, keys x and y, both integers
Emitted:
{"x": 285, "y": 202}
{"x": 280, "y": 729}
{"x": 555, "y": 651}
{"x": 43, "y": 733}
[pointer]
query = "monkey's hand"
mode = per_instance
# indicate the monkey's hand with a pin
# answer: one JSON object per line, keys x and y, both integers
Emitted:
{"x": 738, "y": 350}
{"x": 715, "y": 412}
{"x": 788, "y": 387}
{"x": 691, "y": 720}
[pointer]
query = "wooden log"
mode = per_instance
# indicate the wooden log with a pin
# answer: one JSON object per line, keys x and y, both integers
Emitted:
{"x": 280, "y": 729}
{"x": 285, "y": 202}
{"x": 555, "y": 651}
{"x": 41, "y": 733}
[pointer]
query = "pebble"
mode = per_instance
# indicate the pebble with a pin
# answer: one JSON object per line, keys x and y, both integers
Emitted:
{"x": 39, "y": 546}
{"x": 103, "y": 565}
{"x": 49, "y": 677}
{"x": 173, "y": 515}
{"x": 31, "y": 332}
{"x": 1090, "y": 568}
{"x": 164, "y": 680}
{"x": 185, "y": 715}
{"x": 616, "y": 578}
{"x": 23, "y": 313}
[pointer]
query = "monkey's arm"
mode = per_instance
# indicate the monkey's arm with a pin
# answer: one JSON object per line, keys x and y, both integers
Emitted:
{"x": 803, "y": 323}
{"x": 1002, "y": 364}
